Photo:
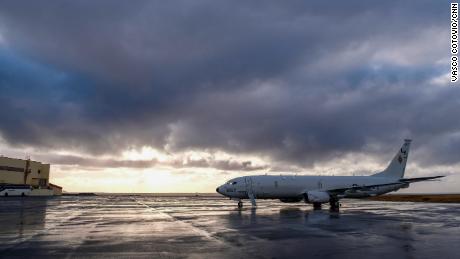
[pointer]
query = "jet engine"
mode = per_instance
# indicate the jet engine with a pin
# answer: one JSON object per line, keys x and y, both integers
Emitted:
{"x": 317, "y": 197}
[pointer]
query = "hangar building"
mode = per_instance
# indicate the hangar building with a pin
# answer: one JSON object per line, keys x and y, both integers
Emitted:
{"x": 26, "y": 171}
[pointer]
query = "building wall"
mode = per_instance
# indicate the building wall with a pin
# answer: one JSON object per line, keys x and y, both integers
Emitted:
{"x": 12, "y": 171}
{"x": 57, "y": 190}
{"x": 41, "y": 192}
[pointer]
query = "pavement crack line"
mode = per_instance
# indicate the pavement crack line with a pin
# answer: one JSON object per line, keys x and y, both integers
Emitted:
{"x": 195, "y": 229}
{"x": 202, "y": 232}
{"x": 17, "y": 242}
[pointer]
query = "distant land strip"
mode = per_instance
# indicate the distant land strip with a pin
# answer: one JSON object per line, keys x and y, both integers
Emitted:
{"x": 438, "y": 198}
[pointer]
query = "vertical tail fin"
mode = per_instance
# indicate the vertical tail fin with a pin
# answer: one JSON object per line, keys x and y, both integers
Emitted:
{"x": 397, "y": 166}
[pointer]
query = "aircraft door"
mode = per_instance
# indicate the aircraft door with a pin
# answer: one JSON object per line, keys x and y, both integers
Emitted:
{"x": 249, "y": 184}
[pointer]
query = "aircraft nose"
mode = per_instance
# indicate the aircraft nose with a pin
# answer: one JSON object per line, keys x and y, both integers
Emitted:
{"x": 220, "y": 190}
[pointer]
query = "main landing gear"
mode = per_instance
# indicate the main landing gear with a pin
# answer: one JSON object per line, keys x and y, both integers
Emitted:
{"x": 335, "y": 205}
{"x": 240, "y": 204}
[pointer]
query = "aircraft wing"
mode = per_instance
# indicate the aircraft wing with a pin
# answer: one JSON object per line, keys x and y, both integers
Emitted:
{"x": 359, "y": 188}
{"x": 356, "y": 191}
{"x": 419, "y": 179}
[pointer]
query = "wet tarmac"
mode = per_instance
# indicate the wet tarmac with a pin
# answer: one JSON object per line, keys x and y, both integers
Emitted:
{"x": 211, "y": 227}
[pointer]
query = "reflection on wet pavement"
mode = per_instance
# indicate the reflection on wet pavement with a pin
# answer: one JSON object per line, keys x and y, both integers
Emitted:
{"x": 212, "y": 227}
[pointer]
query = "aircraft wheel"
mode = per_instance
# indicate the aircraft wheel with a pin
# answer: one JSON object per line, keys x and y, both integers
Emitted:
{"x": 316, "y": 206}
{"x": 6, "y": 194}
{"x": 240, "y": 204}
{"x": 335, "y": 205}
{"x": 23, "y": 194}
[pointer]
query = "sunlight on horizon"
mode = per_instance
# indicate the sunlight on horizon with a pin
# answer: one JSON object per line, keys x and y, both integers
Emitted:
{"x": 127, "y": 180}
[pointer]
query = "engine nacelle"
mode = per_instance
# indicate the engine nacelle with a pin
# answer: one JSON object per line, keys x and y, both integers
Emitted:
{"x": 291, "y": 200}
{"x": 317, "y": 197}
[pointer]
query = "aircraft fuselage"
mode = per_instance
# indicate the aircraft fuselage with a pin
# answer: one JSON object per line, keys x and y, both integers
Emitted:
{"x": 294, "y": 186}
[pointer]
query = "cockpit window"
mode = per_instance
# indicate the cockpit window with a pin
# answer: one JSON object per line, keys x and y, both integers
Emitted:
{"x": 231, "y": 183}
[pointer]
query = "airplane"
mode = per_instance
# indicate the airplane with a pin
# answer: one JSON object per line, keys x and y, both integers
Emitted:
{"x": 318, "y": 190}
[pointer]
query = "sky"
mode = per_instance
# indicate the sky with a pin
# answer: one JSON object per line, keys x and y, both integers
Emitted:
{"x": 180, "y": 96}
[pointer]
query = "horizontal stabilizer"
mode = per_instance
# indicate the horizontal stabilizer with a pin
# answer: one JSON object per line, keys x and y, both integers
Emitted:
{"x": 419, "y": 179}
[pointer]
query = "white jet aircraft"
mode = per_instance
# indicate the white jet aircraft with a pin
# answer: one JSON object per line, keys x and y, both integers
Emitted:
{"x": 321, "y": 189}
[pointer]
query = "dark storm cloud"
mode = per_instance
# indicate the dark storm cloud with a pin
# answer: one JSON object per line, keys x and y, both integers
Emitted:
{"x": 296, "y": 82}
{"x": 94, "y": 162}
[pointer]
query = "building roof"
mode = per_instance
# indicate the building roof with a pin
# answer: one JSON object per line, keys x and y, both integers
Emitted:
{"x": 11, "y": 158}
{"x": 53, "y": 185}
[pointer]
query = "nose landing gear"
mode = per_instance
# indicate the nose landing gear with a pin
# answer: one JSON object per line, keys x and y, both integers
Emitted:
{"x": 240, "y": 204}
{"x": 316, "y": 205}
